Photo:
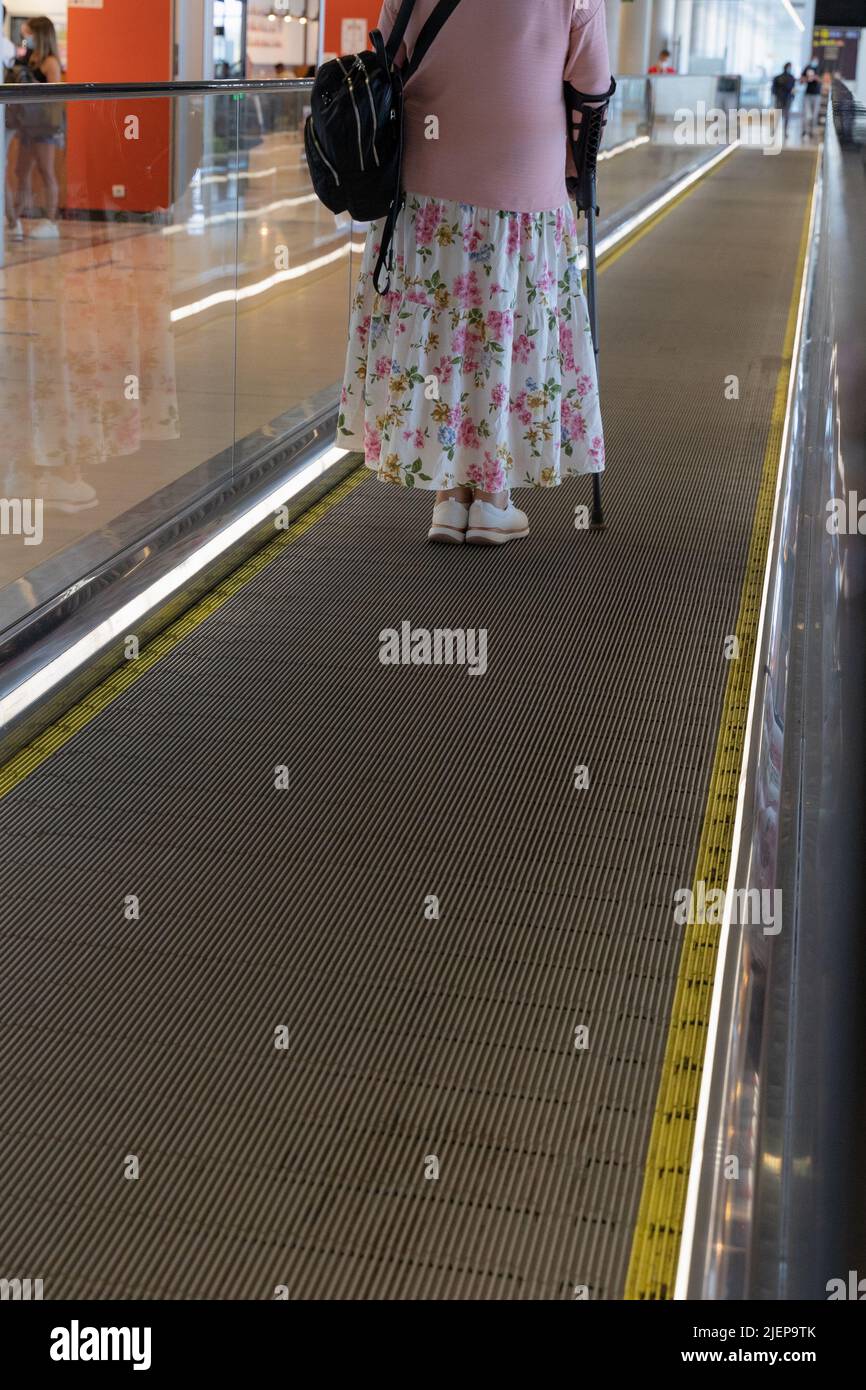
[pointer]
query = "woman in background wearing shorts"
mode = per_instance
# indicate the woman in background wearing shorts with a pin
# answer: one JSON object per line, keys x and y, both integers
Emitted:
{"x": 40, "y": 133}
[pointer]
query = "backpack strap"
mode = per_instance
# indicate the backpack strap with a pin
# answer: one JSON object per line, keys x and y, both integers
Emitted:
{"x": 437, "y": 19}
{"x": 395, "y": 38}
{"x": 440, "y": 16}
{"x": 386, "y": 249}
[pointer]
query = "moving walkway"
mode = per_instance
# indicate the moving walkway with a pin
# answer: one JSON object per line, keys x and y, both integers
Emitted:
{"x": 385, "y": 1000}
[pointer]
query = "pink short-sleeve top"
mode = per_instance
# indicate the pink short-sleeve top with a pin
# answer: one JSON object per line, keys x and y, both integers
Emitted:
{"x": 485, "y": 118}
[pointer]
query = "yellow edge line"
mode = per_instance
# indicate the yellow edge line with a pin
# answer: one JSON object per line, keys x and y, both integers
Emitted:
{"x": 48, "y": 742}
{"x": 655, "y": 1246}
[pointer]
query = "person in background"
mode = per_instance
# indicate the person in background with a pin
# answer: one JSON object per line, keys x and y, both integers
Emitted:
{"x": 39, "y": 128}
{"x": 663, "y": 64}
{"x": 40, "y": 132}
{"x": 811, "y": 99}
{"x": 783, "y": 94}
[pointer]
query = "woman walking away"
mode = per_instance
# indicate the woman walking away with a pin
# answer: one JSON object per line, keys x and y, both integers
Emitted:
{"x": 783, "y": 95}
{"x": 39, "y": 129}
{"x": 475, "y": 374}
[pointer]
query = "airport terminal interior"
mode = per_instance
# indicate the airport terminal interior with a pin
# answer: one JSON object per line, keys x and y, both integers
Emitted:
{"x": 391, "y": 920}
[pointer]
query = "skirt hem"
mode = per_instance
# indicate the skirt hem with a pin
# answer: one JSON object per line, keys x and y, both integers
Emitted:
{"x": 354, "y": 444}
{"x": 477, "y": 368}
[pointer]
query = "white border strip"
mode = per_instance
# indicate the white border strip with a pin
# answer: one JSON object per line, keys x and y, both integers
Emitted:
{"x": 695, "y": 1169}
{"x": 121, "y": 622}
{"x": 280, "y": 277}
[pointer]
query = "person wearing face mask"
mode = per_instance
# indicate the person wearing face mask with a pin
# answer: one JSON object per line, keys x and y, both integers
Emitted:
{"x": 47, "y": 463}
{"x": 39, "y": 128}
{"x": 811, "y": 100}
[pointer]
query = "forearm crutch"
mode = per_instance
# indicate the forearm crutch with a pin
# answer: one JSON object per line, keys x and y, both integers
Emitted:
{"x": 584, "y": 148}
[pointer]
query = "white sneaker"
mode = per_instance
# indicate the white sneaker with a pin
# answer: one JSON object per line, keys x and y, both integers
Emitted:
{"x": 43, "y": 230}
{"x": 16, "y": 231}
{"x": 490, "y": 525}
{"x": 450, "y": 519}
{"x": 63, "y": 496}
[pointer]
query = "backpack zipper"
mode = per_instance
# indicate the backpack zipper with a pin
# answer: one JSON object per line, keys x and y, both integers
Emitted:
{"x": 323, "y": 156}
{"x": 357, "y": 123}
{"x": 360, "y": 65}
{"x": 357, "y": 116}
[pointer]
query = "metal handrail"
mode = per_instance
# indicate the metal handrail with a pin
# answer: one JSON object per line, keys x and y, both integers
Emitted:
{"x": 12, "y": 92}
{"x": 849, "y": 115}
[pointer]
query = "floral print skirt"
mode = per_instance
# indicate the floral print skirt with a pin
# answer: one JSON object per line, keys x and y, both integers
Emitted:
{"x": 477, "y": 368}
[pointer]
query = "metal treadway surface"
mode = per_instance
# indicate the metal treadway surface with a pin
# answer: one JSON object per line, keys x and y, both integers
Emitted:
{"x": 409, "y": 1039}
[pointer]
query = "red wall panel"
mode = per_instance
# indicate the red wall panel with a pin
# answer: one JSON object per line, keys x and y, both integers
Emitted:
{"x": 124, "y": 41}
{"x": 338, "y": 10}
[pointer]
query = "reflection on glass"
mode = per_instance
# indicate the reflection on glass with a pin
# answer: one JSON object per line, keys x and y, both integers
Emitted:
{"x": 191, "y": 311}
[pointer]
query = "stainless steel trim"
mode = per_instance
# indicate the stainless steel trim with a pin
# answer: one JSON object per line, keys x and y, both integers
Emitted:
{"x": 716, "y": 1248}
{"x": 109, "y": 91}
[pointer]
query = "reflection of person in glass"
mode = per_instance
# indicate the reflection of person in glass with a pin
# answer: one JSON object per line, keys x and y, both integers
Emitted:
{"x": 39, "y": 128}
{"x": 89, "y": 372}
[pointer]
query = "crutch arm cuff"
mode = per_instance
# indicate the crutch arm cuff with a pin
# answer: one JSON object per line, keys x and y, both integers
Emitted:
{"x": 585, "y": 142}
{"x": 583, "y": 98}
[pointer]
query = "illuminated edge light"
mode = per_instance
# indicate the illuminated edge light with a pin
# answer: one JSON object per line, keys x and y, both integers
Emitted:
{"x": 194, "y": 223}
{"x": 239, "y": 174}
{"x": 687, "y": 1239}
{"x": 279, "y": 277}
{"x": 118, "y": 624}
{"x": 626, "y": 145}
{"x": 786, "y": 5}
